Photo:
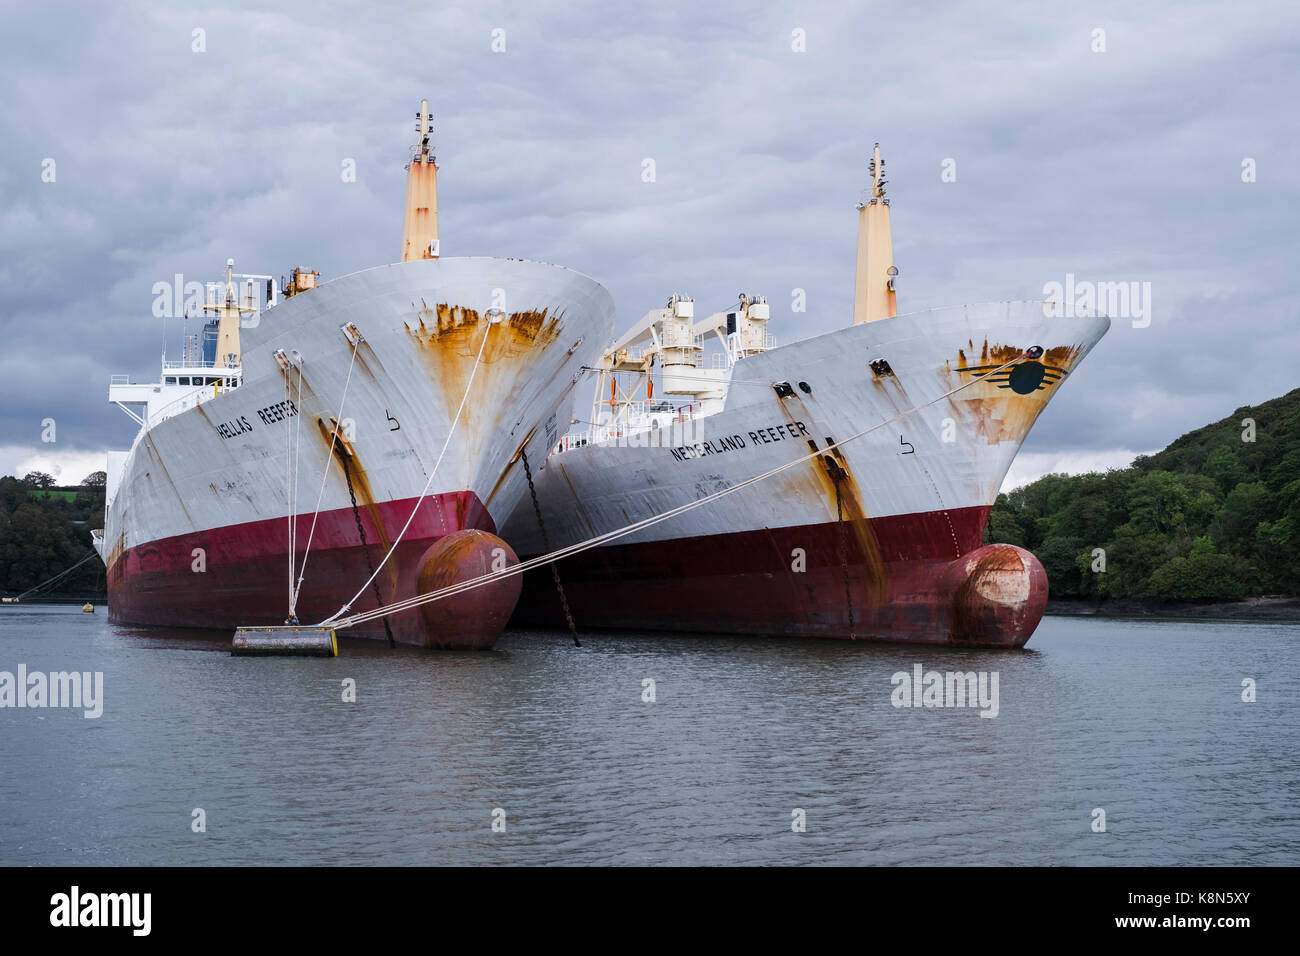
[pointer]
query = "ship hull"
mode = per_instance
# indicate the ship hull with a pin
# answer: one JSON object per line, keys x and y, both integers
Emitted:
{"x": 197, "y": 528}
{"x": 905, "y": 599}
{"x": 876, "y": 538}
{"x": 161, "y": 584}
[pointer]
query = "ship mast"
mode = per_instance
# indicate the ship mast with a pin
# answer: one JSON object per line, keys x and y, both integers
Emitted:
{"x": 873, "y": 287}
{"x": 228, "y": 313}
{"x": 420, "y": 225}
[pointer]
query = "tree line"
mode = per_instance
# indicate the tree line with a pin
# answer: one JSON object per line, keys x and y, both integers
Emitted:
{"x": 44, "y": 529}
{"x": 1215, "y": 516}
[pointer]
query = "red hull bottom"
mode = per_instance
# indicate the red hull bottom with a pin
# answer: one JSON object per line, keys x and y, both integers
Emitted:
{"x": 916, "y": 579}
{"x": 242, "y": 576}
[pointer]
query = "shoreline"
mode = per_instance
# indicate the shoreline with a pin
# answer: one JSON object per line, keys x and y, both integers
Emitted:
{"x": 88, "y": 598}
{"x": 1271, "y": 607}
{"x": 1262, "y": 608}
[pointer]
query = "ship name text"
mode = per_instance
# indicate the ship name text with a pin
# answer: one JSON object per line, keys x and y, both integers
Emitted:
{"x": 725, "y": 443}
{"x": 280, "y": 411}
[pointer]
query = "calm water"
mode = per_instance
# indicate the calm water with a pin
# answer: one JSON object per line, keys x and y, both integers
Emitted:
{"x": 1144, "y": 720}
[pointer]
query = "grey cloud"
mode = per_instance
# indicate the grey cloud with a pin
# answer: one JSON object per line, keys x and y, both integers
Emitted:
{"x": 1122, "y": 165}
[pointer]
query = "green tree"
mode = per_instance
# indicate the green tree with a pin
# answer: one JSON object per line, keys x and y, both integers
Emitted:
{"x": 1243, "y": 509}
{"x": 1059, "y": 557}
{"x": 1199, "y": 577}
{"x": 1225, "y": 468}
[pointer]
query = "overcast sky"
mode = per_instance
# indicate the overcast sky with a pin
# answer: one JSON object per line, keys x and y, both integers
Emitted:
{"x": 1125, "y": 164}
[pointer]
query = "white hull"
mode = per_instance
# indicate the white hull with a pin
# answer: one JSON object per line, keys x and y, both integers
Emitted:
{"x": 213, "y": 476}
{"x": 917, "y": 489}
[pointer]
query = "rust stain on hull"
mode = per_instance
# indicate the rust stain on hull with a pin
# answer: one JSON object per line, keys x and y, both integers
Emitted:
{"x": 448, "y": 339}
{"x": 348, "y": 459}
{"x": 840, "y": 490}
{"x": 1061, "y": 356}
{"x": 998, "y": 414}
{"x": 1064, "y": 356}
{"x": 1000, "y": 354}
{"x": 867, "y": 565}
{"x": 999, "y": 594}
{"x": 452, "y": 322}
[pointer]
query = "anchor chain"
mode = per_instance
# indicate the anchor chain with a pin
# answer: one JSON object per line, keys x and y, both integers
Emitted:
{"x": 546, "y": 545}
{"x": 361, "y": 533}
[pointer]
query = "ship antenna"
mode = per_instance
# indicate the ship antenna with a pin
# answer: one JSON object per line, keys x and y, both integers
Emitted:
{"x": 424, "y": 129}
{"x": 877, "y": 169}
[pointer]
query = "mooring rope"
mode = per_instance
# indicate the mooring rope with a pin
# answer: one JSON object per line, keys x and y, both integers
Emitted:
{"x": 427, "y": 485}
{"x": 62, "y": 574}
{"x": 288, "y": 475}
{"x": 324, "y": 474}
{"x": 293, "y": 496}
{"x": 669, "y": 376}
{"x": 608, "y": 536}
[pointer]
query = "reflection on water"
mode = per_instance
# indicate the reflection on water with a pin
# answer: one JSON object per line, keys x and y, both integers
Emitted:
{"x": 1142, "y": 719}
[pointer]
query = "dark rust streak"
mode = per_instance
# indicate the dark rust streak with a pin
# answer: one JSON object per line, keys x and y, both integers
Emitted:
{"x": 505, "y": 473}
{"x": 873, "y": 573}
{"x": 347, "y": 455}
{"x": 831, "y": 469}
{"x": 577, "y": 499}
{"x": 1063, "y": 355}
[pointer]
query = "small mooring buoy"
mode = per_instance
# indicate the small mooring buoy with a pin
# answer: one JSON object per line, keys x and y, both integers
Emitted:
{"x": 88, "y": 608}
{"x": 290, "y": 640}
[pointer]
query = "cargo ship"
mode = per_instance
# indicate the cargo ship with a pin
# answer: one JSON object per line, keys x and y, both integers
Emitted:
{"x": 884, "y": 445}
{"x": 347, "y": 443}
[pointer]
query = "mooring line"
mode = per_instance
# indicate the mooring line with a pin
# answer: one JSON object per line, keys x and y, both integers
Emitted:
{"x": 293, "y": 500}
{"x": 288, "y": 478}
{"x": 325, "y": 472}
{"x": 61, "y": 574}
{"x": 608, "y": 536}
{"x": 427, "y": 485}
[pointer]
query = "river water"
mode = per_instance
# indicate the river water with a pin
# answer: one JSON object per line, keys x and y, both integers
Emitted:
{"x": 1142, "y": 720}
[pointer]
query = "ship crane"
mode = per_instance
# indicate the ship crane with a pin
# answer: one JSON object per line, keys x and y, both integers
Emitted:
{"x": 742, "y": 330}
{"x": 673, "y": 339}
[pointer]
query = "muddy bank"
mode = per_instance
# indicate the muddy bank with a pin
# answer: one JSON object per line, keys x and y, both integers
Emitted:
{"x": 1265, "y": 608}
